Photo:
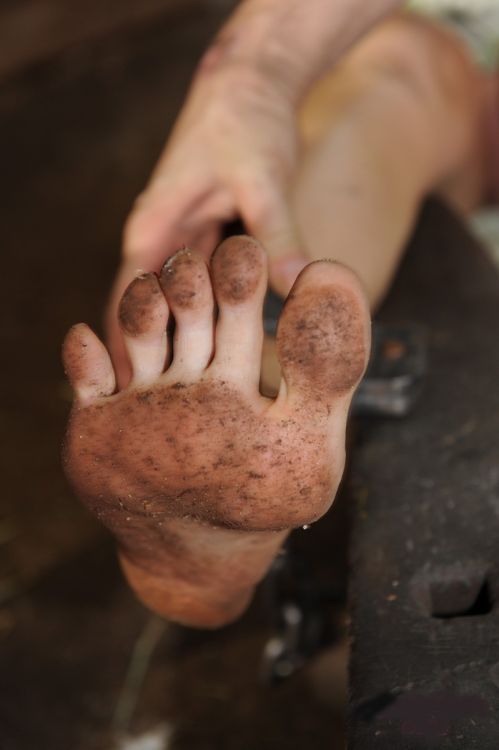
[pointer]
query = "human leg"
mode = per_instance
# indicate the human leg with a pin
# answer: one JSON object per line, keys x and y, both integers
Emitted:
{"x": 199, "y": 476}
{"x": 401, "y": 117}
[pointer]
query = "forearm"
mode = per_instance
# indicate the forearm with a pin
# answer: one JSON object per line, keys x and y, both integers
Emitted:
{"x": 292, "y": 42}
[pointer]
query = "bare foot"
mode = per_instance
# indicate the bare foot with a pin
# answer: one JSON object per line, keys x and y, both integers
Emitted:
{"x": 200, "y": 477}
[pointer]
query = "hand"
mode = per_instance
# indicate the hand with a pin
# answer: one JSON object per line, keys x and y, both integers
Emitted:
{"x": 232, "y": 154}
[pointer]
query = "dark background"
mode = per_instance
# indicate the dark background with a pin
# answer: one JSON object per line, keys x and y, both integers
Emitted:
{"x": 88, "y": 92}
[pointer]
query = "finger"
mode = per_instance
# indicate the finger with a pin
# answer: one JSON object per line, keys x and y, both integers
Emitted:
{"x": 207, "y": 239}
{"x": 267, "y": 216}
{"x": 160, "y": 221}
{"x": 112, "y": 329}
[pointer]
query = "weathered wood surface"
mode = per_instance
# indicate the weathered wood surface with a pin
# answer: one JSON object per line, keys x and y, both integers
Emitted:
{"x": 427, "y": 498}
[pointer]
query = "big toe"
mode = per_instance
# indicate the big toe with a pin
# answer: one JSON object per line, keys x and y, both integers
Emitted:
{"x": 323, "y": 337}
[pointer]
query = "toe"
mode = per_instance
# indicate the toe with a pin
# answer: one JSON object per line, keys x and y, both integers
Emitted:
{"x": 143, "y": 317}
{"x": 87, "y": 364}
{"x": 239, "y": 277}
{"x": 323, "y": 337}
{"x": 186, "y": 283}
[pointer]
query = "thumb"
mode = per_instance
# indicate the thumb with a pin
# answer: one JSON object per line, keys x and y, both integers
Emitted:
{"x": 267, "y": 216}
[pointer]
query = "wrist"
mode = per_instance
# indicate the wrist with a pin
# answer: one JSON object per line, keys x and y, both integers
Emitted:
{"x": 253, "y": 64}
{"x": 288, "y": 44}
{"x": 246, "y": 78}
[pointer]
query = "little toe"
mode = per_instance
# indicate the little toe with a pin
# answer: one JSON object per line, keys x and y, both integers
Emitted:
{"x": 239, "y": 277}
{"x": 323, "y": 337}
{"x": 87, "y": 364}
{"x": 143, "y": 318}
{"x": 186, "y": 284}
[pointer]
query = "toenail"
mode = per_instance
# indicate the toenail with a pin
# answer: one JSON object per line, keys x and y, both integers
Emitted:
{"x": 288, "y": 269}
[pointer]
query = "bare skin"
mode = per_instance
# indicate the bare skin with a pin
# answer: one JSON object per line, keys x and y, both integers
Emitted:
{"x": 200, "y": 477}
{"x": 234, "y": 150}
{"x": 405, "y": 113}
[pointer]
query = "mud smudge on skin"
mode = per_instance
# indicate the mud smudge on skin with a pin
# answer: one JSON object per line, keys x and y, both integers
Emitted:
{"x": 141, "y": 305}
{"x": 185, "y": 281}
{"x": 321, "y": 340}
{"x": 236, "y": 269}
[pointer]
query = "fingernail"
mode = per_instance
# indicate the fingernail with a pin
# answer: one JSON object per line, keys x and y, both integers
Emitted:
{"x": 139, "y": 273}
{"x": 289, "y": 268}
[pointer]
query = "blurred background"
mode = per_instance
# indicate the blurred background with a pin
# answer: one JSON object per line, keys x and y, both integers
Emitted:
{"x": 88, "y": 92}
